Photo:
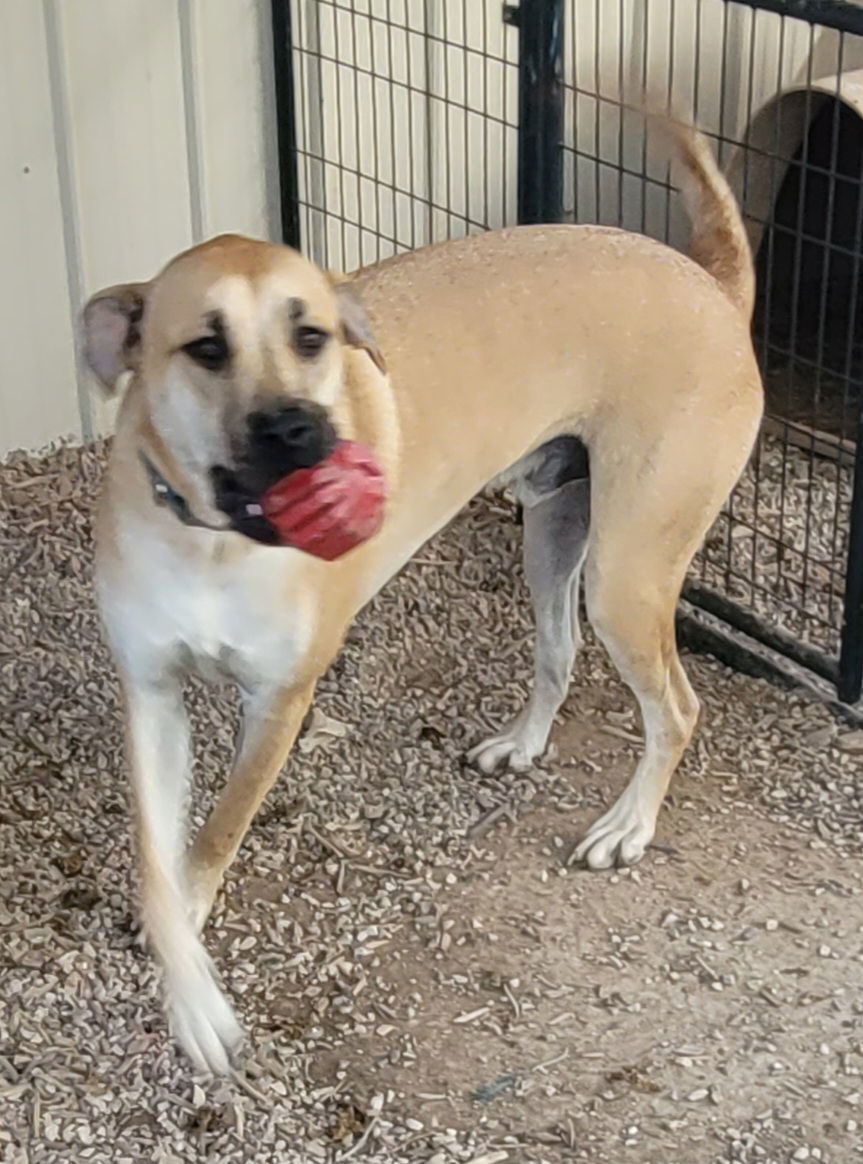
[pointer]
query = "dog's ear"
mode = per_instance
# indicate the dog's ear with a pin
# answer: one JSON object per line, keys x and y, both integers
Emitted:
{"x": 111, "y": 324}
{"x": 356, "y": 328}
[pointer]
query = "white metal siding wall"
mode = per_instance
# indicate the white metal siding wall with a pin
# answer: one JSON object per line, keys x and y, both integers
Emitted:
{"x": 130, "y": 129}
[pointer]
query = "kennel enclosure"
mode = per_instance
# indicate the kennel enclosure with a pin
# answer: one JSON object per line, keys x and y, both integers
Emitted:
{"x": 403, "y": 122}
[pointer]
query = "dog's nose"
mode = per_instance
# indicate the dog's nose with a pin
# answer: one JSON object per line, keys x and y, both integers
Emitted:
{"x": 291, "y": 425}
{"x": 289, "y": 436}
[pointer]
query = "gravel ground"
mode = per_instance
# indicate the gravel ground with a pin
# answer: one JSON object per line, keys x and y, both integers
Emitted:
{"x": 422, "y": 975}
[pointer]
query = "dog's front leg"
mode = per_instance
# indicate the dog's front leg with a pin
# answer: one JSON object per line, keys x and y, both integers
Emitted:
{"x": 272, "y": 720}
{"x": 158, "y": 746}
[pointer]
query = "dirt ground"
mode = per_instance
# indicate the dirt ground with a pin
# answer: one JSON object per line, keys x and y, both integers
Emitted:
{"x": 700, "y": 1008}
{"x": 704, "y": 1006}
{"x": 421, "y": 974}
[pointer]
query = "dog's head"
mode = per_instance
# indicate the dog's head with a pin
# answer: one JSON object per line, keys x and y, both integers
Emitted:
{"x": 238, "y": 348}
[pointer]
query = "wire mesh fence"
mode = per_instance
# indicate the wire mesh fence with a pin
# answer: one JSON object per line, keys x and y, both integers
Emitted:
{"x": 410, "y": 120}
{"x": 779, "y": 94}
{"x": 406, "y": 120}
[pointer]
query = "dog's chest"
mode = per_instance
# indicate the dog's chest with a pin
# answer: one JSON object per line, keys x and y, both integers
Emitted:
{"x": 226, "y": 620}
{"x": 239, "y": 618}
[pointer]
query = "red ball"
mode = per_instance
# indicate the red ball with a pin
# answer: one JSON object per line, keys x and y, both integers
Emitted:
{"x": 331, "y": 508}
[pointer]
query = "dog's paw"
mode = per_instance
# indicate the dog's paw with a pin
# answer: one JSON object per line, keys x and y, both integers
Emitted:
{"x": 203, "y": 1021}
{"x": 515, "y": 748}
{"x": 618, "y": 838}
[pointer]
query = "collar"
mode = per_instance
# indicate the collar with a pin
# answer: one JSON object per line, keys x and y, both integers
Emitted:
{"x": 165, "y": 495}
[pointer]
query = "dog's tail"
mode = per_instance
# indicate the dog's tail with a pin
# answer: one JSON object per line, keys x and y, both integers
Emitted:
{"x": 719, "y": 241}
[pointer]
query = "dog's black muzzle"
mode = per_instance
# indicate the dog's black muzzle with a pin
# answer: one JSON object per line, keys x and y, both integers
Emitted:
{"x": 280, "y": 440}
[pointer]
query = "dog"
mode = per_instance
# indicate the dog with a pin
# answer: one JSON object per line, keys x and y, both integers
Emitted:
{"x": 606, "y": 379}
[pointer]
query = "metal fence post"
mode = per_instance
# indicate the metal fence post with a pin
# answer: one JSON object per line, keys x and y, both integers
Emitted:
{"x": 540, "y": 108}
{"x": 286, "y": 130}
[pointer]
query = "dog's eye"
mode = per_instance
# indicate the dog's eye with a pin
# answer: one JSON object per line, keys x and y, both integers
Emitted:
{"x": 210, "y": 351}
{"x": 310, "y": 340}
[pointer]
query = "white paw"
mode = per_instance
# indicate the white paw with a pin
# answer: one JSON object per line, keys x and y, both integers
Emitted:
{"x": 202, "y": 1019}
{"x": 618, "y": 838}
{"x": 516, "y": 747}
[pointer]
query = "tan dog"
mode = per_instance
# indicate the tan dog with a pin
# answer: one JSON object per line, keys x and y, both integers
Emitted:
{"x": 491, "y": 357}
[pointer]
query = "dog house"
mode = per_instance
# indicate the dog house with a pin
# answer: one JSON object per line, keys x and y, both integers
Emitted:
{"x": 803, "y": 199}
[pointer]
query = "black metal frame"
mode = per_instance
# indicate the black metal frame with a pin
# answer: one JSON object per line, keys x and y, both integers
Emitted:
{"x": 540, "y": 108}
{"x": 543, "y": 93}
{"x": 286, "y": 124}
{"x": 836, "y": 14}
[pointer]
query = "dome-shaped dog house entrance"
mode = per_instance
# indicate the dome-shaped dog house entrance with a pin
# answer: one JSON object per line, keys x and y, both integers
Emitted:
{"x": 809, "y": 308}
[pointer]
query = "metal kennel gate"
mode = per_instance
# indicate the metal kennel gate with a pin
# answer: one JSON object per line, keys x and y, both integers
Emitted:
{"x": 404, "y": 122}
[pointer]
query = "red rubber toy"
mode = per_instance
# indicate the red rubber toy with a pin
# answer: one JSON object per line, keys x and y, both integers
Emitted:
{"x": 331, "y": 508}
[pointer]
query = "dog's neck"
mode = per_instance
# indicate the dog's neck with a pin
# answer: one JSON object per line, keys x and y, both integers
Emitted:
{"x": 165, "y": 494}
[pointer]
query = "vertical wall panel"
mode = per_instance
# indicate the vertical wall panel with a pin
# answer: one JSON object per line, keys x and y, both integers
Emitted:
{"x": 126, "y": 121}
{"x": 232, "y": 69}
{"x": 126, "y": 114}
{"x": 131, "y": 128}
{"x": 38, "y": 395}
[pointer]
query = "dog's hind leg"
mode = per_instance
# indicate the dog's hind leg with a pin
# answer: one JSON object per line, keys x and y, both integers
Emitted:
{"x": 633, "y": 615}
{"x": 659, "y": 482}
{"x": 633, "y": 576}
{"x": 555, "y": 539}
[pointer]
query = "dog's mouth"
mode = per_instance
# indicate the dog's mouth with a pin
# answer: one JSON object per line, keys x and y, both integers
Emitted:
{"x": 294, "y": 436}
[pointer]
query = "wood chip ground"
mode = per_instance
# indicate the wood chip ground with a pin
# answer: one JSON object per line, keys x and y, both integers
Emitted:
{"x": 422, "y": 976}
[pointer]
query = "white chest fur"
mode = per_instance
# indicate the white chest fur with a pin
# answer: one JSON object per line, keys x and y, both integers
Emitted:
{"x": 208, "y": 611}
